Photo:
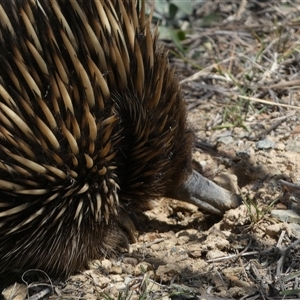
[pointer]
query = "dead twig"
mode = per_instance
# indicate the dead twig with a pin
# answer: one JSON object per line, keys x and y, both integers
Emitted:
{"x": 290, "y": 185}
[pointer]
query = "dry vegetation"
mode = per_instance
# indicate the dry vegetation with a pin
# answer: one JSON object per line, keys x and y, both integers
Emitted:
{"x": 239, "y": 63}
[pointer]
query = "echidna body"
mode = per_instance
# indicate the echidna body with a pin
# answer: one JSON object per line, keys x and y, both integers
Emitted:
{"x": 92, "y": 126}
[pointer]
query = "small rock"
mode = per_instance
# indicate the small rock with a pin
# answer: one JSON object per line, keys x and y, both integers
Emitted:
{"x": 195, "y": 254}
{"x": 156, "y": 247}
{"x": 182, "y": 240}
{"x": 216, "y": 241}
{"x": 232, "y": 271}
{"x": 213, "y": 254}
{"x": 113, "y": 291}
{"x": 265, "y": 144}
{"x": 120, "y": 286}
{"x": 236, "y": 217}
{"x": 116, "y": 270}
{"x": 106, "y": 264}
{"x": 151, "y": 237}
{"x": 276, "y": 229}
{"x": 288, "y": 215}
{"x": 224, "y": 132}
{"x": 116, "y": 278}
{"x": 98, "y": 279}
{"x": 279, "y": 146}
{"x": 141, "y": 268}
{"x": 295, "y": 230}
{"x": 293, "y": 145}
{"x": 130, "y": 261}
{"x": 15, "y": 292}
{"x": 167, "y": 272}
{"x": 281, "y": 206}
{"x": 127, "y": 279}
{"x": 226, "y": 140}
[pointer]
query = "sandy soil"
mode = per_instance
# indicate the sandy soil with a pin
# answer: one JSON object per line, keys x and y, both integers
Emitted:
{"x": 182, "y": 253}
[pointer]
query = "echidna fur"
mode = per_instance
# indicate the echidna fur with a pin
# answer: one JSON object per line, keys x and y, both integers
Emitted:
{"x": 92, "y": 127}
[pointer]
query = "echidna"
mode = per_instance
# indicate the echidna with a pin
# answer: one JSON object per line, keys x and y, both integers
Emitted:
{"x": 92, "y": 127}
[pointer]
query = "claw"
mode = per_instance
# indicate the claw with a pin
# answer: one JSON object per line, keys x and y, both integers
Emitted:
{"x": 205, "y": 194}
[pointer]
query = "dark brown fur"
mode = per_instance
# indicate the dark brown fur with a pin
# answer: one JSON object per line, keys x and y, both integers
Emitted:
{"x": 56, "y": 82}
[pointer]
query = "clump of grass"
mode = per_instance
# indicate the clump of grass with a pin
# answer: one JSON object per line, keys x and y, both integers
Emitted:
{"x": 257, "y": 212}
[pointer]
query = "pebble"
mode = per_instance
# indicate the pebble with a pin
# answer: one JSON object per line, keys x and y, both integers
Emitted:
{"x": 15, "y": 292}
{"x": 265, "y": 144}
{"x": 116, "y": 270}
{"x": 106, "y": 264}
{"x": 130, "y": 261}
{"x": 113, "y": 291}
{"x": 98, "y": 279}
{"x": 213, "y": 254}
{"x": 168, "y": 271}
{"x": 120, "y": 286}
{"x": 182, "y": 240}
{"x": 276, "y": 229}
{"x": 279, "y": 146}
{"x": 226, "y": 140}
{"x": 288, "y": 215}
{"x": 295, "y": 230}
{"x": 293, "y": 145}
{"x": 128, "y": 279}
{"x": 116, "y": 278}
{"x": 195, "y": 254}
{"x": 141, "y": 268}
{"x": 224, "y": 133}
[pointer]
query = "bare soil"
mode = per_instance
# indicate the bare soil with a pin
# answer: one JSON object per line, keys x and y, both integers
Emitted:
{"x": 249, "y": 49}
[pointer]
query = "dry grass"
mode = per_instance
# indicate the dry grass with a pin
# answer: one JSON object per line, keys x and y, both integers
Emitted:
{"x": 251, "y": 49}
{"x": 249, "y": 62}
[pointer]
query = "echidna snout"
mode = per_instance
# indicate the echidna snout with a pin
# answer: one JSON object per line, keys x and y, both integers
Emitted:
{"x": 92, "y": 126}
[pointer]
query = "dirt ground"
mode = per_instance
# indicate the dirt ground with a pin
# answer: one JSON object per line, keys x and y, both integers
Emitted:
{"x": 248, "y": 49}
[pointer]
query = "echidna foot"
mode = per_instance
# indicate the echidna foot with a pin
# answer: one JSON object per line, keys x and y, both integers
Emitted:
{"x": 205, "y": 194}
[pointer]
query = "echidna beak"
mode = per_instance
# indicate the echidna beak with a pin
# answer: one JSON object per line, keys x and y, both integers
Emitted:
{"x": 205, "y": 194}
